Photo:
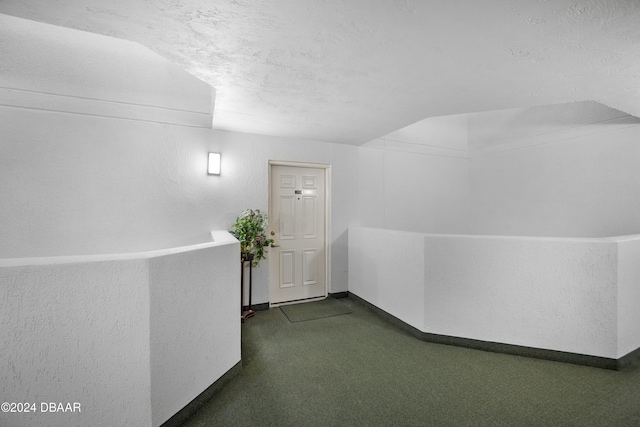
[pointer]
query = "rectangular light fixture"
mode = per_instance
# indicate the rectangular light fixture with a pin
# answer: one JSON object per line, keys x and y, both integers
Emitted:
{"x": 214, "y": 164}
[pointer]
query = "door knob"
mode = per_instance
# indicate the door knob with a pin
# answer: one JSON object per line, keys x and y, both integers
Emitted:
{"x": 273, "y": 233}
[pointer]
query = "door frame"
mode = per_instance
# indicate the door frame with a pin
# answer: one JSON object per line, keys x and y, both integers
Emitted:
{"x": 327, "y": 221}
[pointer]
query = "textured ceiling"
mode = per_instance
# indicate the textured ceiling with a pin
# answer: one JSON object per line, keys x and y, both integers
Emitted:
{"x": 350, "y": 71}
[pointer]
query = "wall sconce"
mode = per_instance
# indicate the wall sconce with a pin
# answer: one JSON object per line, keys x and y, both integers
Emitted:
{"x": 214, "y": 164}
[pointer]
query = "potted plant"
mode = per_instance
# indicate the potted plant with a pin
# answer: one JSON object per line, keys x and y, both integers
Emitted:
{"x": 250, "y": 229}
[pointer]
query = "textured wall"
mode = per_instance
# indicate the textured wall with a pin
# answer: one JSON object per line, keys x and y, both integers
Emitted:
{"x": 553, "y": 294}
{"x": 578, "y": 182}
{"x": 628, "y": 294}
{"x": 550, "y": 293}
{"x": 77, "y": 185}
{"x": 386, "y": 268}
{"x": 552, "y": 170}
{"x": 411, "y": 185}
{"x": 94, "y": 159}
{"x": 132, "y": 338}
{"x": 425, "y": 193}
{"x": 195, "y": 326}
{"x": 76, "y": 332}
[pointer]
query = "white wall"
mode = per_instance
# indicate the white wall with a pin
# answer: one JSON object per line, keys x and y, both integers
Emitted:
{"x": 411, "y": 190}
{"x": 133, "y": 338}
{"x": 628, "y": 294}
{"x": 76, "y": 332}
{"x": 553, "y": 170}
{"x": 416, "y": 179}
{"x": 570, "y": 295}
{"x": 556, "y": 294}
{"x": 566, "y": 170}
{"x": 387, "y": 268}
{"x": 77, "y": 183}
{"x": 195, "y": 327}
{"x": 94, "y": 145}
{"x": 578, "y": 182}
{"x": 425, "y": 193}
{"x": 244, "y": 184}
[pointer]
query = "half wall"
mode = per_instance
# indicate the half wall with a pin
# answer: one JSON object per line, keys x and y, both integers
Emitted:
{"x": 567, "y": 295}
{"x": 132, "y": 338}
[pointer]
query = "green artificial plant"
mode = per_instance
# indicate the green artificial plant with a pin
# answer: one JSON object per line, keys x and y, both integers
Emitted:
{"x": 250, "y": 229}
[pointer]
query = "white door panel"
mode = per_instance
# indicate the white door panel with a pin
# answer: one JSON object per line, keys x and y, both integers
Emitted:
{"x": 287, "y": 269}
{"x": 297, "y": 265}
{"x": 287, "y": 217}
{"x": 309, "y": 221}
{"x": 309, "y": 267}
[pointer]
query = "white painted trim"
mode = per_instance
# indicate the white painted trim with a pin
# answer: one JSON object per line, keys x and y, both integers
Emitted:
{"x": 298, "y": 164}
{"x": 218, "y": 238}
{"x": 70, "y": 104}
{"x": 327, "y": 219}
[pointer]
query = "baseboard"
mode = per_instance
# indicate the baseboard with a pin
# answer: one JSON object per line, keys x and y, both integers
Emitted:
{"x": 417, "y": 333}
{"x": 257, "y": 307}
{"x": 339, "y": 294}
{"x": 495, "y": 347}
{"x": 192, "y": 407}
{"x": 629, "y": 359}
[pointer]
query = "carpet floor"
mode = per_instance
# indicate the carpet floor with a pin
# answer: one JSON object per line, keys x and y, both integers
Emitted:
{"x": 359, "y": 370}
{"x": 327, "y": 307}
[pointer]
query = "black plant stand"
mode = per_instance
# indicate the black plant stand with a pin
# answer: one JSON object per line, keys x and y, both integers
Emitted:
{"x": 248, "y": 313}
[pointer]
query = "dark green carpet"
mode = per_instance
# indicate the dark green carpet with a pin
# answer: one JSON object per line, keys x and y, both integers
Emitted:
{"x": 327, "y": 307}
{"x": 358, "y": 370}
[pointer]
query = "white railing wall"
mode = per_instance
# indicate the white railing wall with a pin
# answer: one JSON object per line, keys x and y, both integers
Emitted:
{"x": 570, "y": 295}
{"x": 132, "y": 338}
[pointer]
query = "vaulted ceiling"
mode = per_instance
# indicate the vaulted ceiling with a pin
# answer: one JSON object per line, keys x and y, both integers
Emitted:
{"x": 350, "y": 71}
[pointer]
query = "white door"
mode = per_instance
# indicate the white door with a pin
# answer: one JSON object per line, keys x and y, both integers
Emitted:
{"x": 297, "y": 263}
